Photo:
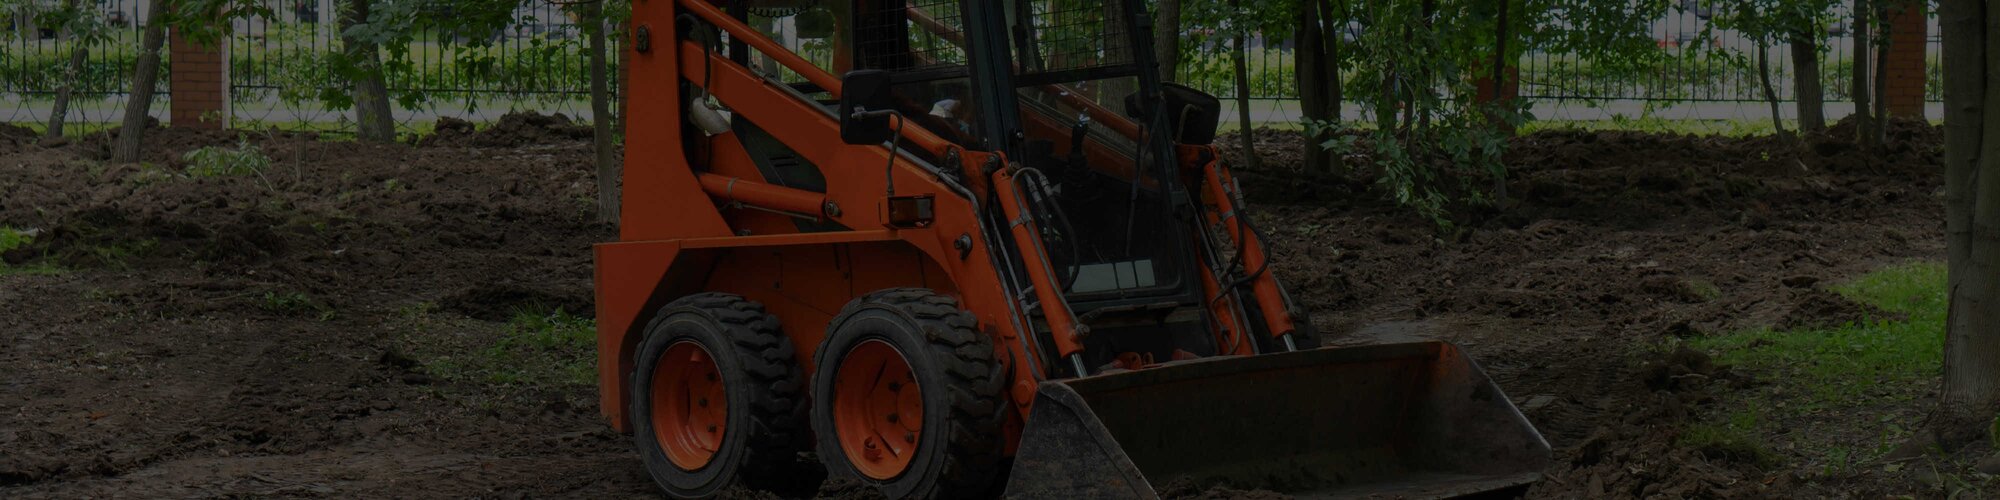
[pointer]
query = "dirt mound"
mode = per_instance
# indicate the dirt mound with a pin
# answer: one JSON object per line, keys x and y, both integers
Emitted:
{"x": 501, "y": 301}
{"x": 515, "y": 129}
{"x": 243, "y": 321}
{"x": 1183, "y": 489}
{"x": 15, "y": 138}
{"x": 1820, "y": 309}
{"x": 1610, "y": 243}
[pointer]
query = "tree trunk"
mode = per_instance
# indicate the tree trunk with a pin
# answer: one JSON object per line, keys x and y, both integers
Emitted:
{"x": 600, "y": 116}
{"x": 1880, "y": 80}
{"x": 145, "y": 76}
{"x": 79, "y": 54}
{"x": 1311, "y": 69}
{"x": 373, "y": 122}
{"x": 1115, "y": 89}
{"x": 1806, "y": 86}
{"x": 1250, "y": 159}
{"x": 1770, "y": 92}
{"x": 1861, "y": 83}
{"x": 1971, "y": 392}
{"x": 1167, "y": 39}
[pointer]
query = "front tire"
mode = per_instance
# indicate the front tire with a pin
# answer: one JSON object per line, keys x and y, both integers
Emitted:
{"x": 908, "y": 397}
{"x": 716, "y": 398}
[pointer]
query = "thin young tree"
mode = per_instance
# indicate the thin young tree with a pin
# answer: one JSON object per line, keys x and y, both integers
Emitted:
{"x": 1317, "y": 65}
{"x": 1861, "y": 78}
{"x": 80, "y": 27}
{"x": 1167, "y": 38}
{"x": 372, "y": 118}
{"x": 1242, "y": 64}
{"x": 1804, "y": 23}
{"x": 145, "y": 76}
{"x": 600, "y": 113}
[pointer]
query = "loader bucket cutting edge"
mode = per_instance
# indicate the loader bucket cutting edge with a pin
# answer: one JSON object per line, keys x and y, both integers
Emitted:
{"x": 1414, "y": 420}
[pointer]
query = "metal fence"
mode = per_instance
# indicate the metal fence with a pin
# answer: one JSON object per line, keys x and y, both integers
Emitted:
{"x": 34, "y": 62}
{"x": 282, "y": 73}
{"x": 1700, "y": 63}
{"x": 282, "y": 68}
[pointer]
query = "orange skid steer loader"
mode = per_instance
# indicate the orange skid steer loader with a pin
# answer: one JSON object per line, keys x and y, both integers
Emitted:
{"x": 996, "y": 256}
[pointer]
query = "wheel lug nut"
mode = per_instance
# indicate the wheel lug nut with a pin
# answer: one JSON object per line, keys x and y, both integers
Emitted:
{"x": 711, "y": 429}
{"x": 893, "y": 418}
{"x": 711, "y": 377}
{"x": 895, "y": 386}
{"x": 909, "y": 437}
{"x": 703, "y": 402}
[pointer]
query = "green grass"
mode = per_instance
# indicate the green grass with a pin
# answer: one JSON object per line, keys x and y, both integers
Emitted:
{"x": 1834, "y": 397}
{"x": 219, "y": 161}
{"x": 1833, "y": 365}
{"x": 1651, "y": 124}
{"x": 296, "y": 304}
{"x": 1733, "y": 438}
{"x": 533, "y": 349}
{"x": 11, "y": 238}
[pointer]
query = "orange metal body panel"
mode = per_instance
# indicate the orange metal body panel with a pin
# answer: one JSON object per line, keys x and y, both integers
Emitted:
{"x": 676, "y": 240}
{"x": 1221, "y": 193}
{"x": 681, "y": 235}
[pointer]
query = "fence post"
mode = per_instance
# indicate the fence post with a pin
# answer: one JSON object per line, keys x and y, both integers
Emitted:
{"x": 199, "y": 82}
{"x": 1909, "y": 37}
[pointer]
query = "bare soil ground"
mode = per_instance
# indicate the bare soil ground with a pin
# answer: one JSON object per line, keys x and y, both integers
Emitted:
{"x": 278, "y": 334}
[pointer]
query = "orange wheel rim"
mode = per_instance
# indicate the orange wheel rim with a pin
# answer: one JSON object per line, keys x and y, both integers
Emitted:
{"x": 690, "y": 409}
{"x": 878, "y": 410}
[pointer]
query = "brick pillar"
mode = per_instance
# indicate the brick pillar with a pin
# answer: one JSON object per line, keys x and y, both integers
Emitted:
{"x": 1909, "y": 34}
{"x": 200, "y": 84}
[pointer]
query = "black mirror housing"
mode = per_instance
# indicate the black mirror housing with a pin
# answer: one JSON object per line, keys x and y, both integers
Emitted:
{"x": 863, "y": 91}
{"x": 1193, "y": 115}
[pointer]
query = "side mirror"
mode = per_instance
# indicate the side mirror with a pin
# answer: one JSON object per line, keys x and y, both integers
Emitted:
{"x": 1192, "y": 114}
{"x": 866, "y": 93}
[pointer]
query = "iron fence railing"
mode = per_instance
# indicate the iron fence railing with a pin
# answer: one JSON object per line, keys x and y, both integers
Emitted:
{"x": 35, "y": 63}
{"x": 282, "y": 67}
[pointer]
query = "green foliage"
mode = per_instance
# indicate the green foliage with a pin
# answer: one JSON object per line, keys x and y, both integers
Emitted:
{"x": 11, "y": 238}
{"x": 411, "y": 34}
{"x": 218, "y": 161}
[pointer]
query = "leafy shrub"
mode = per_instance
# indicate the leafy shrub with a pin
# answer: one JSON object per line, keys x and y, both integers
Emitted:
{"x": 218, "y": 161}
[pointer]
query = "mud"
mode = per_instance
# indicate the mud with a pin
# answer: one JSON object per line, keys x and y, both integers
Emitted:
{"x": 511, "y": 130}
{"x": 1614, "y": 243}
{"x": 279, "y": 334}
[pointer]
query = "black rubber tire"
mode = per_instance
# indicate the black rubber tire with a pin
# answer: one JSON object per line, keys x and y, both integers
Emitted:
{"x": 766, "y": 427}
{"x": 958, "y": 456}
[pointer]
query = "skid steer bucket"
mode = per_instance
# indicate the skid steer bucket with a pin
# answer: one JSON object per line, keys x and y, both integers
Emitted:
{"x": 1415, "y": 420}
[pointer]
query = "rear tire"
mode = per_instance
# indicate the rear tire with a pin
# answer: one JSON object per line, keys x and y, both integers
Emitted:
{"x": 717, "y": 346}
{"x": 886, "y": 340}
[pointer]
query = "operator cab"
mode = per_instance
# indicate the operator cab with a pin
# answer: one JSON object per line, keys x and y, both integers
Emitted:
{"x": 1064, "y": 89}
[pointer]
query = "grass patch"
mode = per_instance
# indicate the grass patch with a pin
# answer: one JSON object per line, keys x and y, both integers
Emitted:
{"x": 218, "y": 161}
{"x": 1657, "y": 125}
{"x": 534, "y": 349}
{"x": 296, "y": 304}
{"x": 1733, "y": 438}
{"x": 1833, "y": 397}
{"x": 11, "y": 238}
{"x": 1835, "y": 365}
